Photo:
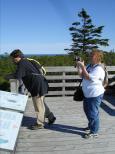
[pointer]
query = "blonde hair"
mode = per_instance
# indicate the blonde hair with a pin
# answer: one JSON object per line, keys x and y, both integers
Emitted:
{"x": 98, "y": 53}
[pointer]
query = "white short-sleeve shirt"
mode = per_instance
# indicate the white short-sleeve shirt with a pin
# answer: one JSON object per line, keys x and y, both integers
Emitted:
{"x": 94, "y": 86}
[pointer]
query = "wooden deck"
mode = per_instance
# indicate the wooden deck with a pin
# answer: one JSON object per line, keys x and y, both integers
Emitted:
{"x": 65, "y": 136}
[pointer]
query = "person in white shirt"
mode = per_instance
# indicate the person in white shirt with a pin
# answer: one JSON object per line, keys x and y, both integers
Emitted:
{"x": 93, "y": 90}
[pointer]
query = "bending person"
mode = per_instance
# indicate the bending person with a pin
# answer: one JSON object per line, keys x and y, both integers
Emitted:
{"x": 36, "y": 84}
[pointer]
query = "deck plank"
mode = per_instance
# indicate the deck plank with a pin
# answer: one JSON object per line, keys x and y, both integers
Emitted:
{"x": 65, "y": 136}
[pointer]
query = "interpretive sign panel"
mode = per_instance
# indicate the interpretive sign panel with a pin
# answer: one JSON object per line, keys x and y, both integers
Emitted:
{"x": 13, "y": 101}
{"x": 10, "y": 122}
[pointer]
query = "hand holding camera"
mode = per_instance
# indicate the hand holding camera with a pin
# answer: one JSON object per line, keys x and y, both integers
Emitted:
{"x": 78, "y": 62}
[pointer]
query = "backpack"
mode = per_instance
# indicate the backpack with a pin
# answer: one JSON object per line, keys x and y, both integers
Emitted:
{"x": 106, "y": 78}
{"x": 38, "y": 66}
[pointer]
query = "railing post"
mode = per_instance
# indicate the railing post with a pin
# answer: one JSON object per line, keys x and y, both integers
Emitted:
{"x": 14, "y": 83}
{"x": 63, "y": 81}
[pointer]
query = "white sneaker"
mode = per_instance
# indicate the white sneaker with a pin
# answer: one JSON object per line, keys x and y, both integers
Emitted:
{"x": 90, "y": 135}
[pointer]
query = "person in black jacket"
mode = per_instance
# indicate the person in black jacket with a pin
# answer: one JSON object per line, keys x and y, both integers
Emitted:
{"x": 36, "y": 84}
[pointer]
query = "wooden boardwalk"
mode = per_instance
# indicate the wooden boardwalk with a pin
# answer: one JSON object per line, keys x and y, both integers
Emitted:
{"x": 65, "y": 136}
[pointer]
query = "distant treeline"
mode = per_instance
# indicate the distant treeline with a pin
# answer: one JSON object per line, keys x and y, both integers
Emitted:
{"x": 6, "y": 65}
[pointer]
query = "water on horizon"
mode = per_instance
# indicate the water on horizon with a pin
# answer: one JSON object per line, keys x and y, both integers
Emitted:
{"x": 29, "y": 55}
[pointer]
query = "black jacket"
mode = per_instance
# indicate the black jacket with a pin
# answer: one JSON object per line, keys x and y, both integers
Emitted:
{"x": 32, "y": 79}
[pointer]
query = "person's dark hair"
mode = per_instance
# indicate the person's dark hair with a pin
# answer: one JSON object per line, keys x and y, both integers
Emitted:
{"x": 16, "y": 53}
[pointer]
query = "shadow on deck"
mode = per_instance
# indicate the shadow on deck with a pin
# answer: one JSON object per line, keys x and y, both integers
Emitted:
{"x": 108, "y": 105}
{"x": 66, "y": 135}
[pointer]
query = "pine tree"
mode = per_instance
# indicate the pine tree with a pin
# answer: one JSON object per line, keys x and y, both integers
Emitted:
{"x": 85, "y": 35}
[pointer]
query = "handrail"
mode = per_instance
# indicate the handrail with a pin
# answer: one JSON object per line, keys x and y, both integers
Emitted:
{"x": 64, "y": 79}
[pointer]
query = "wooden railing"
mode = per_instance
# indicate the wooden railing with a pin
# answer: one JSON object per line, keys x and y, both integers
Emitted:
{"x": 64, "y": 79}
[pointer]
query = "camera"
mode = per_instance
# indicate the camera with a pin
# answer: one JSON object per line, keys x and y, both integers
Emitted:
{"x": 77, "y": 58}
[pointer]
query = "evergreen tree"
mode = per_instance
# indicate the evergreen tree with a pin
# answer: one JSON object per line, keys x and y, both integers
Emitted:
{"x": 85, "y": 35}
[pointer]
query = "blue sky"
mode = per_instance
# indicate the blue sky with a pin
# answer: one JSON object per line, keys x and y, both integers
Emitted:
{"x": 41, "y": 26}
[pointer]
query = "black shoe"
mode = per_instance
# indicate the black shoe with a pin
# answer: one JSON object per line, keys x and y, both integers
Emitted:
{"x": 51, "y": 121}
{"x": 36, "y": 126}
{"x": 86, "y": 129}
